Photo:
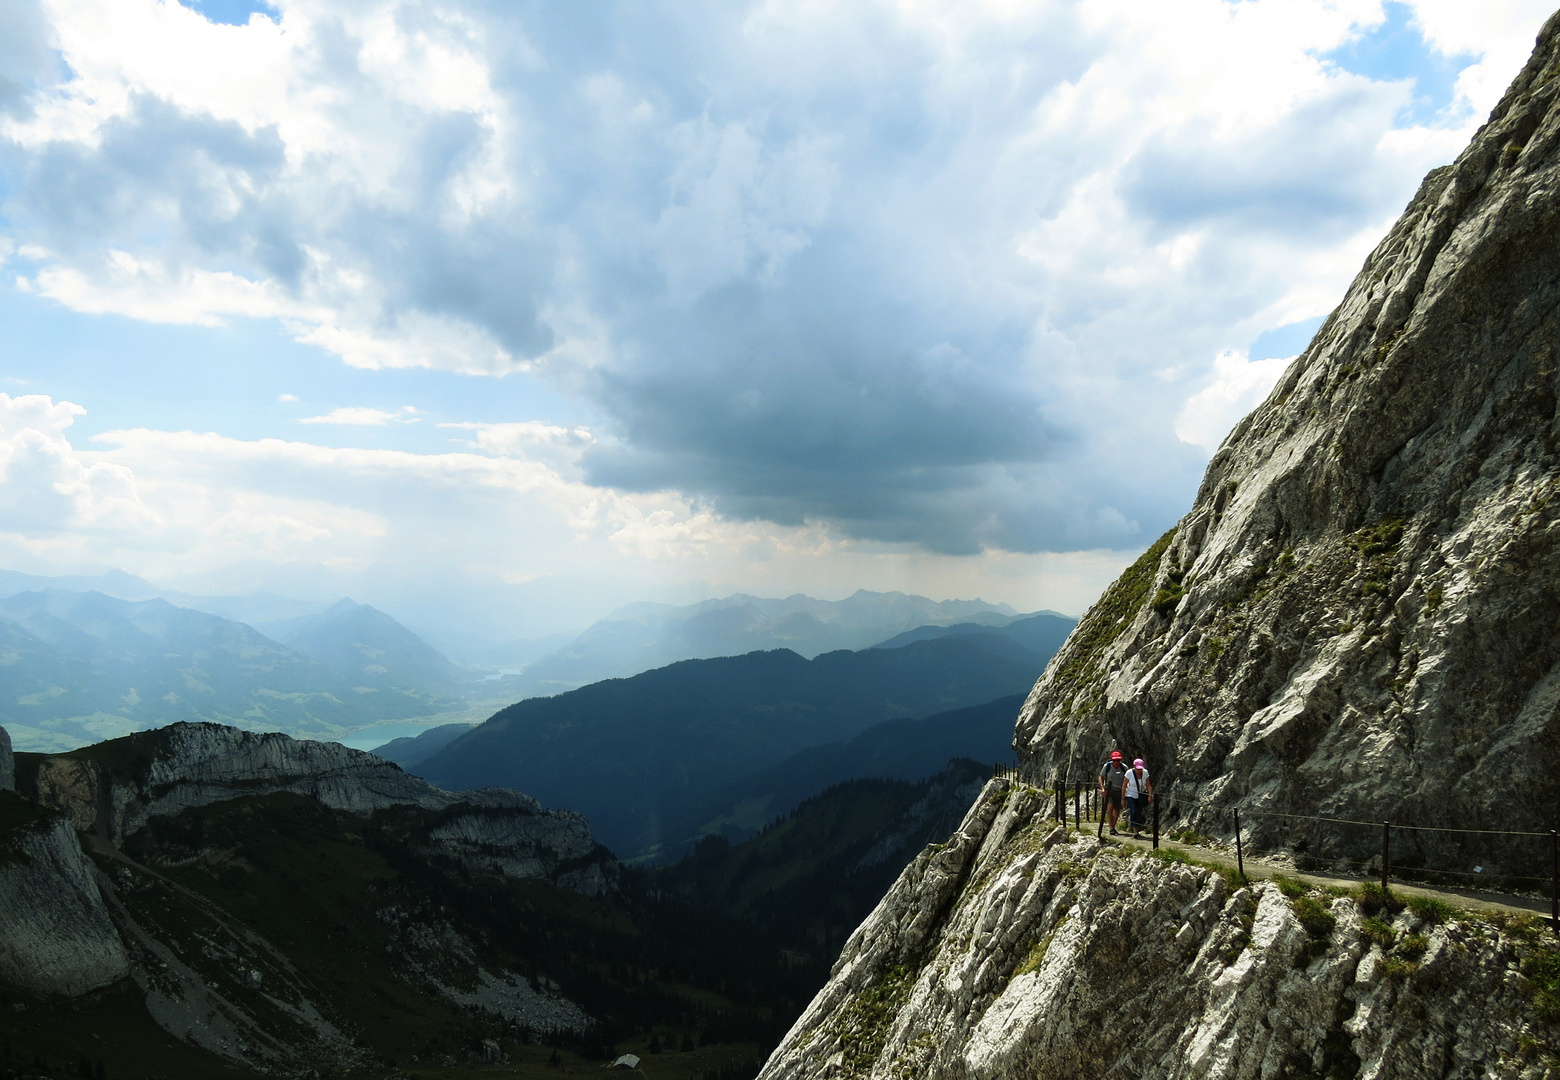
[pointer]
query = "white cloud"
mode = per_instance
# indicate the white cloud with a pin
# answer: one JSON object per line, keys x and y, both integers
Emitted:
{"x": 361, "y": 416}
{"x": 1238, "y": 385}
{"x": 932, "y": 273}
{"x": 290, "y": 398}
{"x": 190, "y": 507}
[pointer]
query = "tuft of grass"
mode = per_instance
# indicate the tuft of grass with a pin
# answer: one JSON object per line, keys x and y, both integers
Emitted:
{"x": 1412, "y": 947}
{"x": 1293, "y": 888}
{"x": 1190, "y": 836}
{"x": 1373, "y": 900}
{"x": 1379, "y": 932}
{"x": 1397, "y": 970}
{"x": 1317, "y": 920}
{"x": 1431, "y": 909}
{"x": 1312, "y": 950}
{"x": 1542, "y": 970}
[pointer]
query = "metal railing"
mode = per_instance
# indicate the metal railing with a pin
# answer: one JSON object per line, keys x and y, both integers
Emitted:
{"x": 1077, "y": 801}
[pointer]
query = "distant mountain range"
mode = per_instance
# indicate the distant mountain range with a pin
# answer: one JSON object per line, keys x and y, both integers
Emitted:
{"x": 77, "y": 667}
{"x": 909, "y": 750}
{"x": 645, "y": 636}
{"x": 640, "y": 756}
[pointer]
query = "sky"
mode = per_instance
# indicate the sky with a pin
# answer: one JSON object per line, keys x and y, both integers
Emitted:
{"x": 500, "y": 315}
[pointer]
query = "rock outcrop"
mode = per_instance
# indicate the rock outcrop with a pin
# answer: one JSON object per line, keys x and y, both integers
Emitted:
{"x": 56, "y": 937}
{"x": 7, "y": 762}
{"x": 1357, "y": 617}
{"x": 115, "y": 787}
{"x": 1021, "y": 949}
{"x": 73, "y": 923}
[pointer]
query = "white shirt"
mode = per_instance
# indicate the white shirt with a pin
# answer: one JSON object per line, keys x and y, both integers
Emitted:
{"x": 1132, "y": 784}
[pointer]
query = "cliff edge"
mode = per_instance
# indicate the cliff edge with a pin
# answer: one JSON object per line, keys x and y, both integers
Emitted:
{"x": 1022, "y": 949}
{"x": 1357, "y": 616}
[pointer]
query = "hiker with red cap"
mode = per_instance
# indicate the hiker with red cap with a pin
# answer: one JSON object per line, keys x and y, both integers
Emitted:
{"x": 1140, "y": 792}
{"x": 1113, "y": 780}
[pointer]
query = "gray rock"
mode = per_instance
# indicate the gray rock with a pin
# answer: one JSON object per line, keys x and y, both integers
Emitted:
{"x": 184, "y": 766}
{"x": 7, "y": 762}
{"x": 1357, "y": 617}
{"x": 56, "y": 938}
{"x": 1050, "y": 955}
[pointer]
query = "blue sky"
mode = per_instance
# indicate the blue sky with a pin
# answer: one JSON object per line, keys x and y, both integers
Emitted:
{"x": 502, "y": 314}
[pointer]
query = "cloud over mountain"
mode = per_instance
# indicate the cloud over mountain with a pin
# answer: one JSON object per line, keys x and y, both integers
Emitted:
{"x": 964, "y": 277}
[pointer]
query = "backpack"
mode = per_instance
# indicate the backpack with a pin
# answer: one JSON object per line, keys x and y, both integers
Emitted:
{"x": 1115, "y": 777}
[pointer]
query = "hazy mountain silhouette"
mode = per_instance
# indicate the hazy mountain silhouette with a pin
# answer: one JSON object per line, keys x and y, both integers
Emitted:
{"x": 644, "y": 636}
{"x": 81, "y": 666}
{"x": 1043, "y": 632}
{"x": 908, "y": 750}
{"x": 366, "y": 647}
{"x": 637, "y": 755}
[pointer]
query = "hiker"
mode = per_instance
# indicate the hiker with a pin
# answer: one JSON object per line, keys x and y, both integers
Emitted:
{"x": 1140, "y": 792}
{"x": 1113, "y": 779}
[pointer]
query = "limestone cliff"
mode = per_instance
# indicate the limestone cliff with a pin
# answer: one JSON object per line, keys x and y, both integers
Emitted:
{"x": 113, "y": 789}
{"x": 7, "y": 763}
{"x": 88, "y": 841}
{"x": 1020, "y": 949}
{"x": 1357, "y": 617}
{"x": 56, "y": 937}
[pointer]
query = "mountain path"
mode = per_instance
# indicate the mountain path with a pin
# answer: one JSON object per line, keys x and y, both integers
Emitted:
{"x": 1260, "y": 869}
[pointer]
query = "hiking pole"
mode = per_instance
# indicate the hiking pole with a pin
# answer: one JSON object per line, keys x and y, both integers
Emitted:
{"x": 1386, "y": 853}
{"x": 1240, "y": 859}
{"x": 1554, "y": 880}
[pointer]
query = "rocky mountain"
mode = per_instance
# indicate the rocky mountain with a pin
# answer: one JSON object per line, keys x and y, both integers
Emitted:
{"x": 1024, "y": 949}
{"x": 1356, "y": 618}
{"x": 1355, "y": 622}
{"x": 202, "y": 901}
{"x": 643, "y": 636}
{"x": 76, "y": 667}
{"x": 638, "y": 756}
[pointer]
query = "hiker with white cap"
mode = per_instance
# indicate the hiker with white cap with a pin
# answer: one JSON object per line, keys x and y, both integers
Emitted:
{"x": 1140, "y": 792}
{"x": 1113, "y": 777}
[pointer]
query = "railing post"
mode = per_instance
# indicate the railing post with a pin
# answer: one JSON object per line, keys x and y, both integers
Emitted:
{"x": 1077, "y": 803}
{"x": 1156, "y": 822}
{"x": 1386, "y": 854}
{"x": 1240, "y": 858}
{"x": 1554, "y": 880}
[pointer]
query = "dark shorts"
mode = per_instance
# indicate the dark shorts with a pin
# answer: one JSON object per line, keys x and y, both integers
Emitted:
{"x": 1112, "y": 799}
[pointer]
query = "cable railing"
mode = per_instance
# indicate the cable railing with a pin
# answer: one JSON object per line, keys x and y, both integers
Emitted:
{"x": 1316, "y": 842}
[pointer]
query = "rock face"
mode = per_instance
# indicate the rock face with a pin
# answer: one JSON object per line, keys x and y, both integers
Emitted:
{"x": 70, "y": 924}
{"x": 1022, "y": 950}
{"x": 1357, "y": 617}
{"x": 7, "y": 762}
{"x": 56, "y": 938}
{"x": 115, "y": 787}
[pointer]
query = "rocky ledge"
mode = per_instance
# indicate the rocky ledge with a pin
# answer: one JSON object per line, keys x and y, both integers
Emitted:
{"x": 1020, "y": 949}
